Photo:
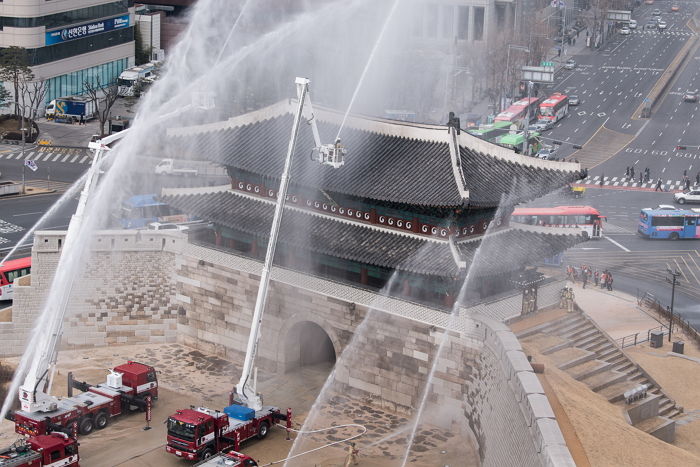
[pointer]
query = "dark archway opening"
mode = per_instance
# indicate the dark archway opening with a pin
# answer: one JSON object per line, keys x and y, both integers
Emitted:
{"x": 307, "y": 345}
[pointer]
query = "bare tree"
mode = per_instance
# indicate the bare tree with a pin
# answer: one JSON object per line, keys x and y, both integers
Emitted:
{"x": 103, "y": 98}
{"x": 31, "y": 97}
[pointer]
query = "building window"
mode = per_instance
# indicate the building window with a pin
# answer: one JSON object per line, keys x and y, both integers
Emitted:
{"x": 80, "y": 46}
{"x": 479, "y": 23}
{"x": 447, "y": 22}
{"x": 74, "y": 83}
{"x": 463, "y": 22}
{"x": 67, "y": 17}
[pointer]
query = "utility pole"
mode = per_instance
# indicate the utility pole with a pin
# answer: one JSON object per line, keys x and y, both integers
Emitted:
{"x": 24, "y": 139}
{"x": 526, "y": 143}
{"x": 675, "y": 274}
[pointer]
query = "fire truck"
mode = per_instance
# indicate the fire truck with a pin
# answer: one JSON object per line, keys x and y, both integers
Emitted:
{"x": 131, "y": 386}
{"x": 228, "y": 458}
{"x": 53, "y": 450}
{"x": 199, "y": 433}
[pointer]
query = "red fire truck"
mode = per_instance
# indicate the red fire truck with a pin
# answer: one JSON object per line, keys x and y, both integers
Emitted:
{"x": 53, "y": 450}
{"x": 131, "y": 386}
{"x": 228, "y": 458}
{"x": 198, "y": 433}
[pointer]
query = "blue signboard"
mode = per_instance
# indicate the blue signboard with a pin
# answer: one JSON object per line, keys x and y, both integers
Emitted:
{"x": 85, "y": 30}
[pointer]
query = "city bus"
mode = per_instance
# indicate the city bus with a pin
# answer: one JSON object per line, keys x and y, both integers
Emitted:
{"x": 140, "y": 210}
{"x": 586, "y": 218}
{"x": 492, "y": 131}
{"x": 515, "y": 142}
{"x": 517, "y": 112}
{"x": 554, "y": 108}
{"x": 11, "y": 270}
{"x": 669, "y": 224}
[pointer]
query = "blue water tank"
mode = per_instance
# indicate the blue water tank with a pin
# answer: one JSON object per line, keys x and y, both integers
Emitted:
{"x": 239, "y": 412}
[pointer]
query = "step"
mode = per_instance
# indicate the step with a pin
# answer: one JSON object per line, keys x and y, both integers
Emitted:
{"x": 546, "y": 327}
{"x": 589, "y": 369}
{"x": 594, "y": 344}
{"x": 584, "y": 357}
{"x": 615, "y": 392}
{"x": 581, "y": 333}
{"x": 605, "y": 344}
{"x": 609, "y": 353}
{"x": 651, "y": 424}
{"x": 624, "y": 366}
{"x": 589, "y": 340}
{"x": 668, "y": 409}
{"x": 604, "y": 379}
{"x": 616, "y": 359}
{"x": 566, "y": 329}
{"x": 557, "y": 347}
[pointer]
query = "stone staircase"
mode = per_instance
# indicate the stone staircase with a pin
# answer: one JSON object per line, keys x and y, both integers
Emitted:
{"x": 576, "y": 345}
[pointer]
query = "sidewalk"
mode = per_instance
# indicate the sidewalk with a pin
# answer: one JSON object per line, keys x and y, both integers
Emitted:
{"x": 614, "y": 312}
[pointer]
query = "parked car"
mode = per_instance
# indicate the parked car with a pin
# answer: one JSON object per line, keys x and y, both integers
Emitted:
{"x": 662, "y": 25}
{"x": 690, "y": 96}
{"x": 574, "y": 100}
{"x": 656, "y": 12}
{"x": 690, "y": 196}
{"x": 633, "y": 24}
{"x": 547, "y": 154}
{"x": 625, "y": 31}
{"x": 570, "y": 64}
{"x": 651, "y": 24}
{"x": 543, "y": 125}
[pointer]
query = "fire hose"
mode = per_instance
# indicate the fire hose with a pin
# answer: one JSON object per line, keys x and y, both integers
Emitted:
{"x": 320, "y": 430}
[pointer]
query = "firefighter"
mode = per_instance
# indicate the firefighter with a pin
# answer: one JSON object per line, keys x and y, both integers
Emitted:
{"x": 570, "y": 300}
{"x": 351, "y": 458}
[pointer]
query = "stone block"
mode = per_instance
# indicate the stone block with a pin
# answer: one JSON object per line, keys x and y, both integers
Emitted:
{"x": 642, "y": 409}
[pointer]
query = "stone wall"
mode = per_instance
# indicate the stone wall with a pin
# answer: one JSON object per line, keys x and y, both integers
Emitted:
{"x": 155, "y": 287}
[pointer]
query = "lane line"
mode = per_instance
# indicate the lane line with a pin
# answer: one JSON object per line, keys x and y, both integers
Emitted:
{"x": 616, "y": 244}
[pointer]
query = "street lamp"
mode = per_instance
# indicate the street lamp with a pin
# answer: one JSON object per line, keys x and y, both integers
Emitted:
{"x": 516, "y": 47}
{"x": 24, "y": 139}
{"x": 675, "y": 274}
{"x": 526, "y": 143}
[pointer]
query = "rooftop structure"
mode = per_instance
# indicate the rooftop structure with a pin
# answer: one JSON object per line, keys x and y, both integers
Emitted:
{"x": 411, "y": 197}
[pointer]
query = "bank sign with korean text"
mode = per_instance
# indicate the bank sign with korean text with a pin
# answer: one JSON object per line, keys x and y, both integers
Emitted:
{"x": 84, "y": 30}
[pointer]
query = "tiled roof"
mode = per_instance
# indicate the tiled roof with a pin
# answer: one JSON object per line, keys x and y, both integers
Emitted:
{"x": 363, "y": 243}
{"x": 388, "y": 161}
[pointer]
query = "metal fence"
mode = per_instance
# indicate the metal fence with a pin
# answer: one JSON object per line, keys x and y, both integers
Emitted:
{"x": 639, "y": 337}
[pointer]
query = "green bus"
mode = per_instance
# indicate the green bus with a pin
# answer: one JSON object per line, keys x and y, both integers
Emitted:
{"x": 492, "y": 131}
{"x": 515, "y": 142}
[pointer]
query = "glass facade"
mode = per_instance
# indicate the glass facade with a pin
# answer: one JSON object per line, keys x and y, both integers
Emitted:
{"x": 80, "y": 46}
{"x": 67, "y": 17}
{"x": 73, "y": 83}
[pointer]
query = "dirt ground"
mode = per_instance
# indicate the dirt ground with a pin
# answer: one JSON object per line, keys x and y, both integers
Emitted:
{"x": 187, "y": 376}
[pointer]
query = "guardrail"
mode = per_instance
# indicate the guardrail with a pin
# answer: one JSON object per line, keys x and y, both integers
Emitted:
{"x": 639, "y": 337}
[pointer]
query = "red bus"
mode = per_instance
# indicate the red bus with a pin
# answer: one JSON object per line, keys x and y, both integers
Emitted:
{"x": 517, "y": 112}
{"x": 11, "y": 270}
{"x": 587, "y": 218}
{"x": 554, "y": 108}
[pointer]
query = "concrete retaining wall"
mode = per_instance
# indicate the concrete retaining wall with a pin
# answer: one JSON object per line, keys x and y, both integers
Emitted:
{"x": 153, "y": 287}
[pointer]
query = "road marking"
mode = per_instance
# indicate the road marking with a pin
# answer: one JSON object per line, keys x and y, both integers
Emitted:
{"x": 74, "y": 159}
{"x": 616, "y": 243}
{"x": 65, "y": 158}
{"x": 27, "y": 214}
{"x": 83, "y": 159}
{"x": 56, "y": 158}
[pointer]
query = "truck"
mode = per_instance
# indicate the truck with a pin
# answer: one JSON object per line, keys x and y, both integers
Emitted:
{"x": 199, "y": 432}
{"x": 128, "y": 78}
{"x": 129, "y": 387}
{"x": 71, "y": 108}
{"x": 173, "y": 167}
{"x": 52, "y": 450}
{"x": 228, "y": 458}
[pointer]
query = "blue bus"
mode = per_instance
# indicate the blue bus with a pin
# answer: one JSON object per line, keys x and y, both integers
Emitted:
{"x": 669, "y": 223}
{"x": 140, "y": 210}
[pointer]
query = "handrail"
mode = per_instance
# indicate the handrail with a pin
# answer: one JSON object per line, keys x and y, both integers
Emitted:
{"x": 634, "y": 339}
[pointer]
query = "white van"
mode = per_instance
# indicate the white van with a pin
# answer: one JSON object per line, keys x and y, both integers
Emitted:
{"x": 633, "y": 24}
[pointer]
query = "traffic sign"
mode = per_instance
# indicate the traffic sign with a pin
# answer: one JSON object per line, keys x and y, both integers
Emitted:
{"x": 31, "y": 164}
{"x": 547, "y": 64}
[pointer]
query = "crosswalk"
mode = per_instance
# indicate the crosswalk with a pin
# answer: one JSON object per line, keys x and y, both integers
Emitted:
{"x": 51, "y": 154}
{"x": 623, "y": 182}
{"x": 652, "y": 32}
{"x": 9, "y": 227}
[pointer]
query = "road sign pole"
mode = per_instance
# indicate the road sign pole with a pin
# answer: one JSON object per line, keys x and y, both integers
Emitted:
{"x": 23, "y": 178}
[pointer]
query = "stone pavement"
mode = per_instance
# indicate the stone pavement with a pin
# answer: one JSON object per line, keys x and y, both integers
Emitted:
{"x": 616, "y": 313}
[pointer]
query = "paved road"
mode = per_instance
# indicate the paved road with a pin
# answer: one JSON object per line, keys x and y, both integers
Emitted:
{"x": 612, "y": 83}
{"x": 637, "y": 264}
